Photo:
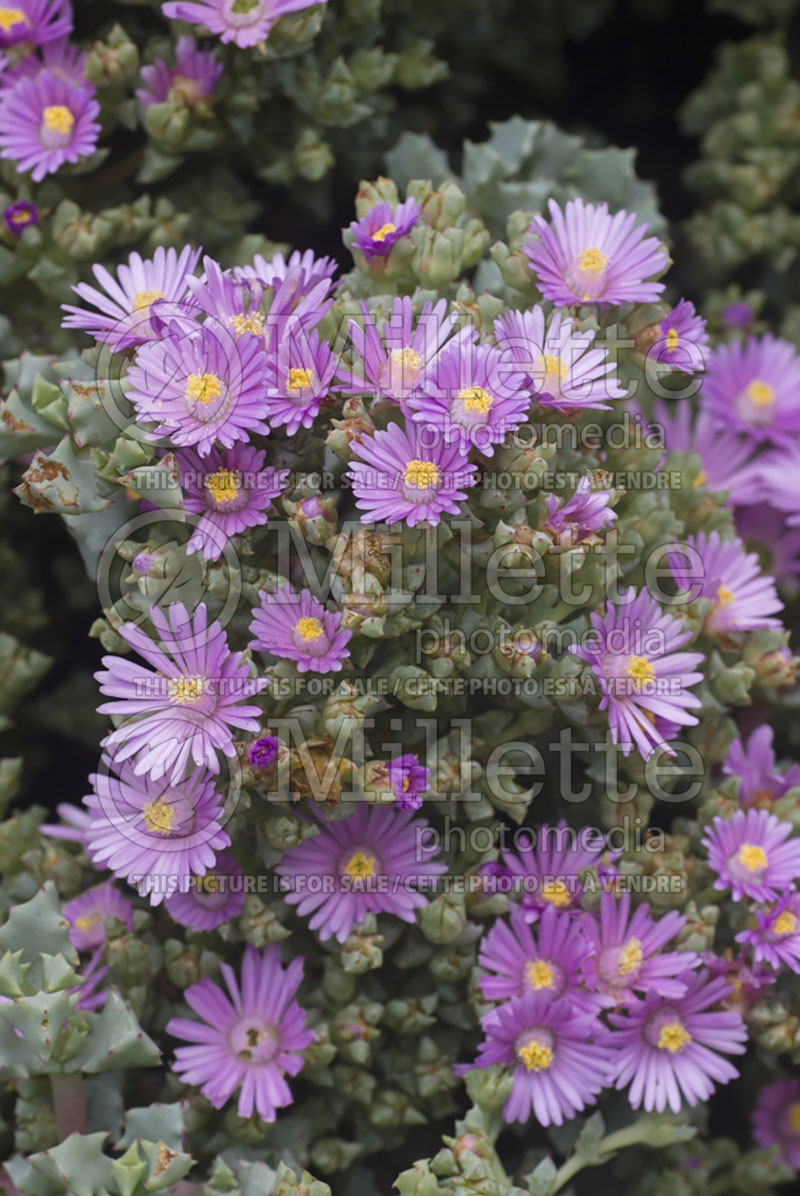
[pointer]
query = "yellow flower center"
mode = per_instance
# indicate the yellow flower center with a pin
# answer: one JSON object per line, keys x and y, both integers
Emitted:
{"x": 185, "y": 691}
{"x": 406, "y": 784}
{"x": 592, "y": 261}
{"x": 405, "y": 359}
{"x": 556, "y": 892}
{"x": 383, "y": 232}
{"x": 785, "y": 923}
{"x": 794, "y": 1116}
{"x": 752, "y": 857}
{"x": 300, "y": 379}
{"x": 553, "y": 366}
{"x": 203, "y": 388}
{"x": 158, "y": 816}
{"x": 145, "y": 298}
{"x": 208, "y": 884}
{"x": 672, "y": 339}
{"x": 760, "y": 393}
{"x": 540, "y": 974}
{"x": 9, "y": 17}
{"x": 536, "y": 1056}
{"x": 21, "y": 217}
{"x": 475, "y": 398}
{"x": 252, "y": 322}
{"x": 58, "y": 118}
{"x": 630, "y": 957}
{"x": 308, "y": 628}
{"x": 673, "y": 1037}
{"x": 87, "y": 922}
{"x": 701, "y": 478}
{"x": 640, "y": 669}
{"x": 421, "y": 475}
{"x": 360, "y": 866}
{"x": 725, "y": 596}
{"x": 223, "y": 486}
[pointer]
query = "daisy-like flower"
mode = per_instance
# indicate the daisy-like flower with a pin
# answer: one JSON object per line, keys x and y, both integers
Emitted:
{"x": 669, "y": 1050}
{"x": 45, "y": 122}
{"x": 589, "y": 256}
{"x": 585, "y": 513}
{"x": 154, "y": 834}
{"x": 200, "y": 385}
{"x": 369, "y": 863}
{"x": 761, "y": 783}
{"x": 34, "y": 22}
{"x": 248, "y": 1039}
{"x": 193, "y": 77}
{"x": 726, "y": 457}
{"x": 643, "y": 677}
{"x": 562, "y": 368}
{"x": 19, "y": 216}
{"x": 87, "y": 915}
{"x": 779, "y": 478}
{"x": 753, "y": 855}
{"x": 744, "y": 598}
{"x": 308, "y": 269}
{"x": 557, "y": 1068}
{"x": 243, "y": 22}
{"x": 776, "y": 1119}
{"x": 408, "y": 780}
{"x": 128, "y": 304}
{"x": 746, "y": 984}
{"x": 230, "y": 490}
{"x": 392, "y": 359}
{"x": 185, "y": 706}
{"x": 297, "y": 627}
{"x": 401, "y": 475}
{"x": 471, "y": 397}
{"x": 681, "y": 339}
{"x": 775, "y": 939}
{"x": 61, "y": 57}
{"x": 625, "y": 953}
{"x": 547, "y": 960}
{"x": 383, "y": 226}
{"x": 754, "y": 388}
{"x": 209, "y": 900}
{"x": 300, "y": 377}
{"x": 548, "y": 870}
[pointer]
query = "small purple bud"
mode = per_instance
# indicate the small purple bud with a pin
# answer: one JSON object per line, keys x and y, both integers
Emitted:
{"x": 262, "y": 753}
{"x": 18, "y": 217}
{"x": 737, "y": 315}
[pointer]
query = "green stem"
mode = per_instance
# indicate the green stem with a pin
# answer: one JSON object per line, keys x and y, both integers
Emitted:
{"x": 68, "y": 1103}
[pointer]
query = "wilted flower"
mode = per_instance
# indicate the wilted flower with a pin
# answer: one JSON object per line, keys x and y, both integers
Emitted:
{"x": 19, "y": 216}
{"x": 753, "y": 855}
{"x": 297, "y": 627}
{"x": 46, "y": 122}
{"x": 408, "y": 780}
{"x": 586, "y": 512}
{"x": 263, "y": 752}
{"x": 379, "y": 231}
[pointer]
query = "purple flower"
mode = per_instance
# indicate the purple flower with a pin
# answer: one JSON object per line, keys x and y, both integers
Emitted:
{"x": 779, "y": 477}
{"x": 142, "y": 290}
{"x": 557, "y": 1069}
{"x": 563, "y": 371}
{"x": 667, "y": 1049}
{"x": 737, "y": 315}
{"x": 548, "y": 868}
{"x": 234, "y": 306}
{"x": 34, "y": 22}
{"x": 206, "y": 901}
{"x": 19, "y": 216}
{"x": 87, "y": 915}
{"x": 745, "y": 982}
{"x": 371, "y": 862}
{"x": 297, "y": 627}
{"x": 193, "y": 77}
{"x": 230, "y": 490}
{"x": 547, "y": 960}
{"x": 682, "y": 340}
{"x": 186, "y": 707}
{"x": 263, "y": 752}
{"x": 778, "y": 545}
{"x": 761, "y": 783}
{"x": 409, "y": 475}
{"x": 726, "y": 457}
{"x": 408, "y": 780}
{"x": 776, "y": 936}
{"x": 154, "y": 834}
{"x": 248, "y": 1039}
{"x": 588, "y": 256}
{"x": 470, "y": 397}
{"x": 376, "y": 233}
{"x": 74, "y": 823}
{"x": 305, "y": 269}
{"x": 61, "y": 58}
{"x": 300, "y": 377}
{"x": 586, "y": 512}
{"x": 199, "y": 386}
{"x": 642, "y": 676}
{"x": 45, "y": 122}
{"x": 753, "y": 855}
{"x": 744, "y": 598}
{"x": 244, "y": 22}
{"x": 625, "y": 953}
{"x": 89, "y": 999}
{"x": 754, "y": 388}
{"x": 776, "y": 1119}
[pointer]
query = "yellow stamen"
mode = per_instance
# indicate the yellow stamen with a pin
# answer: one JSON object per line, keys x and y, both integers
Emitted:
{"x": 203, "y": 388}
{"x": 421, "y": 475}
{"x": 145, "y": 298}
{"x": 536, "y": 1056}
{"x": 208, "y": 884}
{"x": 640, "y": 669}
{"x": 21, "y": 217}
{"x": 672, "y": 339}
{"x": 673, "y": 1037}
{"x": 9, "y": 17}
{"x": 760, "y": 393}
{"x": 785, "y": 923}
{"x": 383, "y": 232}
{"x": 475, "y": 398}
{"x": 630, "y": 957}
{"x": 701, "y": 478}
{"x": 158, "y": 816}
{"x": 299, "y": 379}
{"x": 725, "y": 596}
{"x": 556, "y": 892}
{"x": 87, "y": 922}
{"x": 752, "y": 857}
{"x": 406, "y": 359}
{"x": 592, "y": 261}
{"x": 58, "y": 118}
{"x": 794, "y": 1116}
{"x": 553, "y": 365}
{"x": 223, "y": 486}
{"x": 540, "y": 974}
{"x": 406, "y": 784}
{"x": 252, "y": 322}
{"x": 185, "y": 691}
{"x": 360, "y": 865}
{"x": 309, "y": 628}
